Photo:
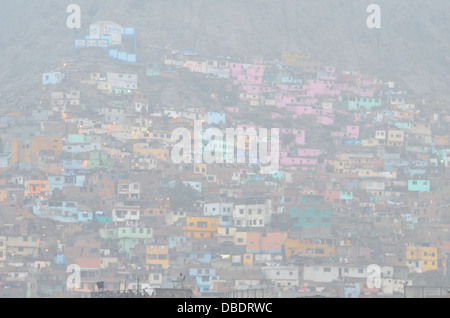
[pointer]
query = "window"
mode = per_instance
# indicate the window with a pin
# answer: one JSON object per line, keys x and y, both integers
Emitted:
{"x": 327, "y": 269}
{"x": 202, "y": 225}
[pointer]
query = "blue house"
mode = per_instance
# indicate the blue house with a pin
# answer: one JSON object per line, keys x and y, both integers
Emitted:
{"x": 216, "y": 118}
{"x": 352, "y": 184}
{"x": 224, "y": 211}
{"x": 204, "y": 258}
{"x": 55, "y": 183}
{"x": 203, "y": 278}
{"x": 352, "y": 290}
{"x": 73, "y": 167}
{"x": 174, "y": 240}
{"x": 60, "y": 259}
{"x": 76, "y": 181}
{"x": 84, "y": 216}
{"x": 61, "y": 211}
{"x": 52, "y": 78}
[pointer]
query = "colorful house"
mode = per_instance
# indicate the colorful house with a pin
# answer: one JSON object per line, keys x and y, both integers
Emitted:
{"x": 201, "y": 227}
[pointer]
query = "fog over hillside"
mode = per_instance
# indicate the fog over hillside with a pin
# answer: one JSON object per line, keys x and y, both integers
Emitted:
{"x": 411, "y": 47}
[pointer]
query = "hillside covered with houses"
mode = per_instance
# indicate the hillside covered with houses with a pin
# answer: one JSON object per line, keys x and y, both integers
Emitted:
{"x": 87, "y": 178}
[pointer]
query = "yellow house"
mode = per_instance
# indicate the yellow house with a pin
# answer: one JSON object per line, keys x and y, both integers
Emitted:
{"x": 339, "y": 166}
{"x": 22, "y": 245}
{"x": 427, "y": 255}
{"x": 201, "y": 227}
{"x": 395, "y": 138}
{"x": 157, "y": 255}
{"x": 240, "y": 238}
{"x": 368, "y": 173}
{"x": 201, "y": 168}
{"x": 310, "y": 248}
{"x": 105, "y": 87}
{"x": 3, "y": 251}
{"x": 293, "y": 58}
{"x": 3, "y": 195}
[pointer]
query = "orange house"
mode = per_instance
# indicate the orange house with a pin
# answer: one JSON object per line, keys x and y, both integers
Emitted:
{"x": 36, "y": 187}
{"x": 405, "y": 115}
{"x": 89, "y": 273}
{"x": 310, "y": 248}
{"x": 157, "y": 255}
{"x": 44, "y": 143}
{"x": 442, "y": 140}
{"x": 27, "y": 153}
{"x": 145, "y": 151}
{"x": 364, "y": 289}
{"x": 258, "y": 242}
{"x": 105, "y": 188}
{"x": 201, "y": 227}
{"x": 248, "y": 259}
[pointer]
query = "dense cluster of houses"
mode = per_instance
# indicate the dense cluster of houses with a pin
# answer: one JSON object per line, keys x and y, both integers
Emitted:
{"x": 87, "y": 180}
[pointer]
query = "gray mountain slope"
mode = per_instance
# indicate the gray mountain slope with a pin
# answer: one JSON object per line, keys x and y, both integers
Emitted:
{"x": 411, "y": 47}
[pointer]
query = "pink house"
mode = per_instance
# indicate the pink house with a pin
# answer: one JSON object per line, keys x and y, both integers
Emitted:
{"x": 302, "y": 110}
{"x": 282, "y": 100}
{"x": 308, "y": 152}
{"x": 322, "y": 88}
{"x": 258, "y": 60}
{"x": 331, "y": 195}
{"x": 324, "y": 120}
{"x": 338, "y": 134}
{"x": 232, "y": 109}
{"x": 327, "y": 73}
{"x": 288, "y": 88}
{"x": 353, "y": 132}
{"x": 250, "y": 89}
{"x": 276, "y": 115}
{"x": 297, "y": 161}
{"x": 244, "y": 126}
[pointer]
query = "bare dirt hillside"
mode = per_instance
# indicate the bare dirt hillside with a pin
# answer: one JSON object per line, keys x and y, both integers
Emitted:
{"x": 412, "y": 45}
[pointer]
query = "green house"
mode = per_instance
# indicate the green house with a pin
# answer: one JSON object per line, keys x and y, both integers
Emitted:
{"x": 153, "y": 70}
{"x": 311, "y": 213}
{"x": 127, "y": 237}
{"x": 401, "y": 125}
{"x": 419, "y": 185}
{"x": 98, "y": 160}
{"x": 357, "y": 102}
{"x": 346, "y": 196}
{"x": 78, "y": 139}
